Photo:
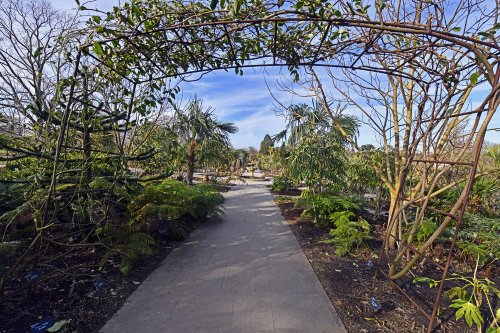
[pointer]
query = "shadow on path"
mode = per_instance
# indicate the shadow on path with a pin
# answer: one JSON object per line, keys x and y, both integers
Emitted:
{"x": 245, "y": 274}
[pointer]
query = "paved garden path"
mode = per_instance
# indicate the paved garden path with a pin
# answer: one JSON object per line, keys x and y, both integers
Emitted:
{"x": 246, "y": 273}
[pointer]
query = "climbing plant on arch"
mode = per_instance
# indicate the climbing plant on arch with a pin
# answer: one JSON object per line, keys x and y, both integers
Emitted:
{"x": 152, "y": 45}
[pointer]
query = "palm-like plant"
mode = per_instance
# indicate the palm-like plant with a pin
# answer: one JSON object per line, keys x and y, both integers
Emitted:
{"x": 318, "y": 154}
{"x": 216, "y": 156}
{"x": 304, "y": 121}
{"x": 197, "y": 124}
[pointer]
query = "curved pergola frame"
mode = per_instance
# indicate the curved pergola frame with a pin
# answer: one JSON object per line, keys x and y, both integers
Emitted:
{"x": 157, "y": 44}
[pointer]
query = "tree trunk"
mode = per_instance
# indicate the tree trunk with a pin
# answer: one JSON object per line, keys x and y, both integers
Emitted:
{"x": 392, "y": 230}
{"x": 190, "y": 161}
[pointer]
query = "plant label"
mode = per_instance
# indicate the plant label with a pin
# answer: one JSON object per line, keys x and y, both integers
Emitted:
{"x": 43, "y": 325}
{"x": 375, "y": 304}
{"x": 33, "y": 276}
{"x": 369, "y": 264}
{"x": 99, "y": 284}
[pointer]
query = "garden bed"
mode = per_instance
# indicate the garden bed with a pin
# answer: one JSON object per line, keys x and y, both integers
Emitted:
{"x": 88, "y": 307}
{"x": 292, "y": 192}
{"x": 350, "y": 285}
{"x": 78, "y": 284}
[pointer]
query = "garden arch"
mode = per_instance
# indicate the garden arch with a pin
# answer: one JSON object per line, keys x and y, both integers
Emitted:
{"x": 155, "y": 44}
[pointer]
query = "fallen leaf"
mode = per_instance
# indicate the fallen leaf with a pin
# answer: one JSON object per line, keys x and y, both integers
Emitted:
{"x": 58, "y": 325}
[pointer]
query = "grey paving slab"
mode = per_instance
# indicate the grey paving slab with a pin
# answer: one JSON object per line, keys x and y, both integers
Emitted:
{"x": 245, "y": 273}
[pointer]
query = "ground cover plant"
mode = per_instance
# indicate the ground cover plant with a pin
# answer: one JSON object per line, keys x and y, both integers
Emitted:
{"x": 281, "y": 184}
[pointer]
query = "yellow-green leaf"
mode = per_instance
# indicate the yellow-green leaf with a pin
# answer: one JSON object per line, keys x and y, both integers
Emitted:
{"x": 474, "y": 78}
{"x": 98, "y": 49}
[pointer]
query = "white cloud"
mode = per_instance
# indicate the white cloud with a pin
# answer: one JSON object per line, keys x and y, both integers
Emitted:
{"x": 245, "y": 101}
{"x": 253, "y": 128}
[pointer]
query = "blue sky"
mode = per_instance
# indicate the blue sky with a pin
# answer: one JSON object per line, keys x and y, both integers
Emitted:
{"x": 245, "y": 100}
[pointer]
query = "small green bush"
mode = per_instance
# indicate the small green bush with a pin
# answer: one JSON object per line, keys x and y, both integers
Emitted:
{"x": 347, "y": 230}
{"x": 172, "y": 200}
{"x": 168, "y": 209}
{"x": 127, "y": 241}
{"x": 479, "y": 238}
{"x": 348, "y": 233}
{"x": 427, "y": 228}
{"x": 281, "y": 183}
{"x": 320, "y": 207}
{"x": 484, "y": 195}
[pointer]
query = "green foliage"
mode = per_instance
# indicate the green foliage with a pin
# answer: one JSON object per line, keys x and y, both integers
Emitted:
{"x": 479, "y": 238}
{"x": 427, "y": 228}
{"x": 347, "y": 230}
{"x": 206, "y": 201}
{"x": 275, "y": 162}
{"x": 120, "y": 191}
{"x": 171, "y": 204}
{"x": 494, "y": 329}
{"x": 281, "y": 183}
{"x": 347, "y": 233}
{"x": 172, "y": 200}
{"x": 485, "y": 194}
{"x": 360, "y": 175}
{"x": 317, "y": 162}
{"x": 25, "y": 168}
{"x": 283, "y": 199}
{"x": 317, "y": 142}
{"x": 337, "y": 213}
{"x": 468, "y": 310}
{"x": 422, "y": 279}
{"x": 493, "y": 153}
{"x": 320, "y": 207}
{"x": 473, "y": 78}
{"x": 196, "y": 125}
{"x": 127, "y": 241}
{"x": 468, "y": 298}
{"x": 168, "y": 152}
{"x": 266, "y": 144}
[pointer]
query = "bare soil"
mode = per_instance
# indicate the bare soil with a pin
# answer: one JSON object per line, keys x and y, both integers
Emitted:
{"x": 68, "y": 287}
{"x": 291, "y": 192}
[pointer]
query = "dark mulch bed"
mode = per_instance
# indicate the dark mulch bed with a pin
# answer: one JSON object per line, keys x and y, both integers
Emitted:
{"x": 75, "y": 296}
{"x": 86, "y": 307}
{"x": 291, "y": 192}
{"x": 224, "y": 188}
{"x": 289, "y": 211}
{"x": 350, "y": 284}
